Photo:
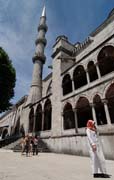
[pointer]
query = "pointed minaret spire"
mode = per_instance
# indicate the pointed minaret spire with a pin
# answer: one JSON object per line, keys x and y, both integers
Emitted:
{"x": 44, "y": 11}
{"x": 38, "y": 60}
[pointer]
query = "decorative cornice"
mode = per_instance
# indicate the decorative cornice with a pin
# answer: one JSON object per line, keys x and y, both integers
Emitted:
{"x": 82, "y": 46}
{"x": 106, "y": 133}
{"x": 62, "y": 49}
{"x": 62, "y": 37}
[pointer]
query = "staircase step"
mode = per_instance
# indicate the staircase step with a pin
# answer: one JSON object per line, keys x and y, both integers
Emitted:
{"x": 15, "y": 146}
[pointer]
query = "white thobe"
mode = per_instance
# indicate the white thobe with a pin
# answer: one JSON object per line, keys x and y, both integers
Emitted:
{"x": 97, "y": 157}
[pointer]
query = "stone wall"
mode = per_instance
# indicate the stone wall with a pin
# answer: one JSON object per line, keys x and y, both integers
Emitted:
{"x": 77, "y": 145}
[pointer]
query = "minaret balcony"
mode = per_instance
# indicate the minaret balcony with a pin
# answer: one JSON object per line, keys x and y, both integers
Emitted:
{"x": 42, "y": 27}
{"x": 40, "y": 57}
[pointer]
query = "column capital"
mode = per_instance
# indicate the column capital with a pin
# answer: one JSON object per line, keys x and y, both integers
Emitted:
{"x": 86, "y": 70}
{"x": 74, "y": 109}
{"x": 42, "y": 111}
{"x": 105, "y": 101}
{"x": 96, "y": 63}
{"x": 92, "y": 104}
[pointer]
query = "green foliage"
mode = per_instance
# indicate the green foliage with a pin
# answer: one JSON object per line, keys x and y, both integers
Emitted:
{"x": 7, "y": 80}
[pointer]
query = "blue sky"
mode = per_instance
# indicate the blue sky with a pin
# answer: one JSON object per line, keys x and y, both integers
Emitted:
{"x": 18, "y": 30}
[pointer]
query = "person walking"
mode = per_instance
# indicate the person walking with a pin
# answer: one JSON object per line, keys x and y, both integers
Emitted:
{"x": 95, "y": 150}
{"x": 35, "y": 145}
{"x": 27, "y": 145}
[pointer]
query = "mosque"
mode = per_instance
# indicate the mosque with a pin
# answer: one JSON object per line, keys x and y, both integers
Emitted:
{"x": 80, "y": 87}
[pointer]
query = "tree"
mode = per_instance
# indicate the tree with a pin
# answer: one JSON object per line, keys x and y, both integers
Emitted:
{"x": 7, "y": 80}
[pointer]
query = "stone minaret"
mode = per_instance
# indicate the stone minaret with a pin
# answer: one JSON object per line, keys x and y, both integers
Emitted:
{"x": 38, "y": 60}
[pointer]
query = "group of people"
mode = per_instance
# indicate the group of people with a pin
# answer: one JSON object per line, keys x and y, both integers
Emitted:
{"x": 29, "y": 145}
{"x": 96, "y": 152}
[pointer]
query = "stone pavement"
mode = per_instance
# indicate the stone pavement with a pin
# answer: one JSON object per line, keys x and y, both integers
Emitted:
{"x": 46, "y": 166}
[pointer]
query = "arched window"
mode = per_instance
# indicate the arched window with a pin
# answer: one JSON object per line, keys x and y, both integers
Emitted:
{"x": 99, "y": 109}
{"x": 4, "y": 133}
{"x": 67, "y": 84}
{"x": 31, "y": 120}
{"x": 106, "y": 60}
{"x": 79, "y": 77}
{"x": 92, "y": 71}
{"x": 110, "y": 99}
{"x": 84, "y": 112}
{"x": 38, "y": 119}
{"x": 22, "y": 130}
{"x": 47, "y": 115}
{"x": 68, "y": 117}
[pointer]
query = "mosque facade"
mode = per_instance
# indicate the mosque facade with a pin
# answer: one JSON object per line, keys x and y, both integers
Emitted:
{"x": 80, "y": 87}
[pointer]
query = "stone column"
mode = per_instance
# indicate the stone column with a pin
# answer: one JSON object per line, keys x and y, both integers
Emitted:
{"x": 76, "y": 120}
{"x": 93, "y": 112}
{"x": 42, "y": 120}
{"x": 106, "y": 111}
{"x": 34, "y": 124}
{"x": 98, "y": 71}
{"x": 62, "y": 119}
{"x": 73, "y": 88}
{"x": 87, "y": 75}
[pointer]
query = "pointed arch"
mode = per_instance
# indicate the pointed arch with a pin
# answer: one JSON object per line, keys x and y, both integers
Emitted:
{"x": 66, "y": 84}
{"x": 106, "y": 60}
{"x": 84, "y": 111}
{"x": 92, "y": 71}
{"x": 79, "y": 77}
{"x": 31, "y": 120}
{"x": 99, "y": 110}
{"x": 68, "y": 117}
{"x": 38, "y": 118}
{"x": 110, "y": 101}
{"x": 4, "y": 133}
{"x": 47, "y": 115}
{"x": 22, "y": 130}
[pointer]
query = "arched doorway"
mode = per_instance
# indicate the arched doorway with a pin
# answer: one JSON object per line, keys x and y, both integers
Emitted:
{"x": 110, "y": 100}
{"x": 106, "y": 60}
{"x": 31, "y": 120}
{"x": 99, "y": 110}
{"x": 47, "y": 115}
{"x": 84, "y": 111}
{"x": 38, "y": 118}
{"x": 68, "y": 117}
